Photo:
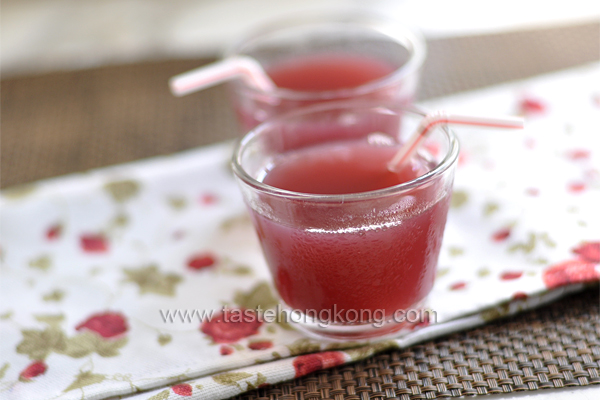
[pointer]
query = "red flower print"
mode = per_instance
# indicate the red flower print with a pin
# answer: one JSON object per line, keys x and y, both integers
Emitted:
{"x": 183, "y": 389}
{"x": 511, "y": 275}
{"x": 572, "y": 271}
{"x": 208, "y": 199}
{"x": 262, "y": 345}
{"x": 530, "y": 106}
{"x": 421, "y": 324}
{"x": 520, "y": 296}
{"x": 458, "y": 286}
{"x": 530, "y": 143}
{"x": 93, "y": 243}
{"x": 54, "y": 232}
{"x": 532, "y": 192}
{"x": 578, "y": 154}
{"x": 106, "y": 324}
{"x": 314, "y": 362}
{"x": 462, "y": 158}
{"x": 225, "y": 350}
{"x": 589, "y": 251}
{"x": 576, "y": 187}
{"x": 200, "y": 261}
{"x": 501, "y": 235}
{"x": 178, "y": 234}
{"x": 231, "y": 325}
{"x": 34, "y": 369}
{"x": 596, "y": 99}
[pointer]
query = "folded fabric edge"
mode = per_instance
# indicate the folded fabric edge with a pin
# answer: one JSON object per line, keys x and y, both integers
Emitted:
{"x": 233, "y": 382}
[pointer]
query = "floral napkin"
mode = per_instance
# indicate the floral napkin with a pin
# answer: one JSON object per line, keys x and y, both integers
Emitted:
{"x": 109, "y": 277}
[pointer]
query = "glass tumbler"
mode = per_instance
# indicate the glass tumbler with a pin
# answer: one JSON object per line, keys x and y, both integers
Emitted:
{"x": 321, "y": 58}
{"x": 352, "y": 247}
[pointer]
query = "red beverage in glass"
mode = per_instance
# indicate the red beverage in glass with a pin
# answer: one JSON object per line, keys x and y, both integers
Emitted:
{"x": 323, "y": 58}
{"x": 345, "y": 238}
{"x": 324, "y": 72}
{"x": 371, "y": 263}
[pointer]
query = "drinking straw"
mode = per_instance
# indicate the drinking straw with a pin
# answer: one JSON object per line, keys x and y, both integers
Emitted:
{"x": 441, "y": 117}
{"x": 218, "y": 72}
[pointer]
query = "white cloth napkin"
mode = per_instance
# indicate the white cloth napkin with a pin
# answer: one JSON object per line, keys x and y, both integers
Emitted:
{"x": 93, "y": 263}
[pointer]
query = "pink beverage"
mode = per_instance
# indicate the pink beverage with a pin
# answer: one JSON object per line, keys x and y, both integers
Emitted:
{"x": 316, "y": 74}
{"x": 326, "y": 58}
{"x": 344, "y": 237}
{"x": 323, "y": 72}
{"x": 374, "y": 264}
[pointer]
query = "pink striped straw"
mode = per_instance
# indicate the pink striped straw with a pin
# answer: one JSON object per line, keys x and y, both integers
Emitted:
{"x": 218, "y": 72}
{"x": 441, "y": 117}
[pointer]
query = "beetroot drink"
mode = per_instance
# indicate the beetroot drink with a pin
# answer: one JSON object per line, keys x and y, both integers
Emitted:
{"x": 306, "y": 78}
{"x": 370, "y": 263}
{"x": 323, "y": 72}
{"x": 327, "y": 57}
{"x": 344, "y": 237}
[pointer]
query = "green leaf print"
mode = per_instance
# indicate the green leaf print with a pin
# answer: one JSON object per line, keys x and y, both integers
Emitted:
{"x": 459, "y": 198}
{"x": 164, "y": 338}
{"x": 6, "y": 315}
{"x": 526, "y": 247}
{"x": 55, "y": 295}
{"x": 177, "y": 203}
{"x": 3, "y": 370}
{"x": 260, "y": 379}
{"x": 123, "y": 190}
{"x": 85, "y": 378}
{"x": 455, "y": 251}
{"x": 80, "y": 345}
{"x": 37, "y": 344}
{"x": 161, "y": 396}
{"x": 359, "y": 353}
{"x": 490, "y": 208}
{"x": 50, "y": 320}
{"x": 150, "y": 280}
{"x": 259, "y": 296}
{"x": 43, "y": 263}
{"x": 303, "y": 346}
{"x": 231, "y": 378}
{"x": 85, "y": 343}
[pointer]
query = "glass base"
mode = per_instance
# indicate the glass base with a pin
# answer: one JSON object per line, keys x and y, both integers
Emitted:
{"x": 387, "y": 328}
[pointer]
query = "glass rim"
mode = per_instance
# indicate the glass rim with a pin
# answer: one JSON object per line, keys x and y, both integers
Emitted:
{"x": 397, "y": 31}
{"x": 449, "y": 159}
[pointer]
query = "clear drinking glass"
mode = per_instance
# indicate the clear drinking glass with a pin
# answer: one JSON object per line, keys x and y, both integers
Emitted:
{"x": 321, "y": 58}
{"x": 349, "y": 257}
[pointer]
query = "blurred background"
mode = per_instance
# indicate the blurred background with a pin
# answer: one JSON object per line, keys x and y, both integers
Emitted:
{"x": 84, "y": 82}
{"x": 46, "y": 35}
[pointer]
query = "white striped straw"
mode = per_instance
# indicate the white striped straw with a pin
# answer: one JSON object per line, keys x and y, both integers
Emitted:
{"x": 218, "y": 72}
{"x": 440, "y": 117}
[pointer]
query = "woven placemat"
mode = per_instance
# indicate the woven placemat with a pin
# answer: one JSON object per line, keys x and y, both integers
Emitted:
{"x": 552, "y": 347}
{"x": 73, "y": 121}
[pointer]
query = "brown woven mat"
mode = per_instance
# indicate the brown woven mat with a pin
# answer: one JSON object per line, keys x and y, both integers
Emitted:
{"x": 66, "y": 122}
{"x": 552, "y": 347}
